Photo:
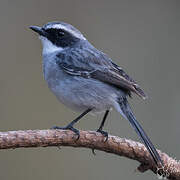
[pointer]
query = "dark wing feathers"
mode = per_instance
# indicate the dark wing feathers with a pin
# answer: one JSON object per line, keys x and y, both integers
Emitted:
{"x": 76, "y": 71}
{"x": 119, "y": 80}
{"x": 100, "y": 68}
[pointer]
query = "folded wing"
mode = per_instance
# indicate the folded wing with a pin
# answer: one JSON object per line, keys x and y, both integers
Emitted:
{"x": 102, "y": 69}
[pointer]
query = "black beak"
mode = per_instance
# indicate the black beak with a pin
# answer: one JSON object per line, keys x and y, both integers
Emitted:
{"x": 38, "y": 30}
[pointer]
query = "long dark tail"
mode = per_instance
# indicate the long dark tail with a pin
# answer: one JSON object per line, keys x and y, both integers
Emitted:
{"x": 127, "y": 112}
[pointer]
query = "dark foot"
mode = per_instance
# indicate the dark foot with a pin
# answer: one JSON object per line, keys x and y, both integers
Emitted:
{"x": 68, "y": 127}
{"x": 104, "y": 133}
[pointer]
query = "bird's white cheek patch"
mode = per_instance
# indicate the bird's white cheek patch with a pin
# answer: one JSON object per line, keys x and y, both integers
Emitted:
{"x": 48, "y": 46}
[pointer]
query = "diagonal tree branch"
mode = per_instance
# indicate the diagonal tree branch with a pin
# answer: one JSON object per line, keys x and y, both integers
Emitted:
{"x": 90, "y": 139}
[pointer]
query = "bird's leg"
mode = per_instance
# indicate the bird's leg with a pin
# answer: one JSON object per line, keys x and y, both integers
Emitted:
{"x": 70, "y": 125}
{"x": 101, "y": 127}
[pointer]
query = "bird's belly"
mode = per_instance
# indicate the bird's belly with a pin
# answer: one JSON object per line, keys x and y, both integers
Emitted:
{"x": 80, "y": 94}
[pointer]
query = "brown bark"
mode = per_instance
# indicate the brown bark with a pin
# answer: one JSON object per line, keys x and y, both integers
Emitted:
{"x": 90, "y": 139}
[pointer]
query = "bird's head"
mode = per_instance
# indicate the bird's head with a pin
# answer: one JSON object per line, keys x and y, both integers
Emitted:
{"x": 57, "y": 36}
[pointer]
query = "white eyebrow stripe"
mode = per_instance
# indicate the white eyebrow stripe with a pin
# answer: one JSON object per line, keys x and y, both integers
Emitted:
{"x": 76, "y": 34}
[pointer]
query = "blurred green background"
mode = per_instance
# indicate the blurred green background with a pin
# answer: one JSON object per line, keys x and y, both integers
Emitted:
{"x": 141, "y": 36}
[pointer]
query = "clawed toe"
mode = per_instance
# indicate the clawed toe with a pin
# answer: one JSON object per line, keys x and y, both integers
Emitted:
{"x": 75, "y": 131}
{"x": 104, "y": 133}
{"x": 57, "y": 127}
{"x": 93, "y": 151}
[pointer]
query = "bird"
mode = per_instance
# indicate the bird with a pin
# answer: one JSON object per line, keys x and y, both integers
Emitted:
{"x": 87, "y": 80}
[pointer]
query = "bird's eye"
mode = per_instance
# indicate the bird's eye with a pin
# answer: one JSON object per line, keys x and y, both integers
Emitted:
{"x": 56, "y": 32}
{"x": 61, "y": 33}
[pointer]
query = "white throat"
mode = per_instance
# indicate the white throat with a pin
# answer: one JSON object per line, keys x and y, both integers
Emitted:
{"x": 48, "y": 47}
